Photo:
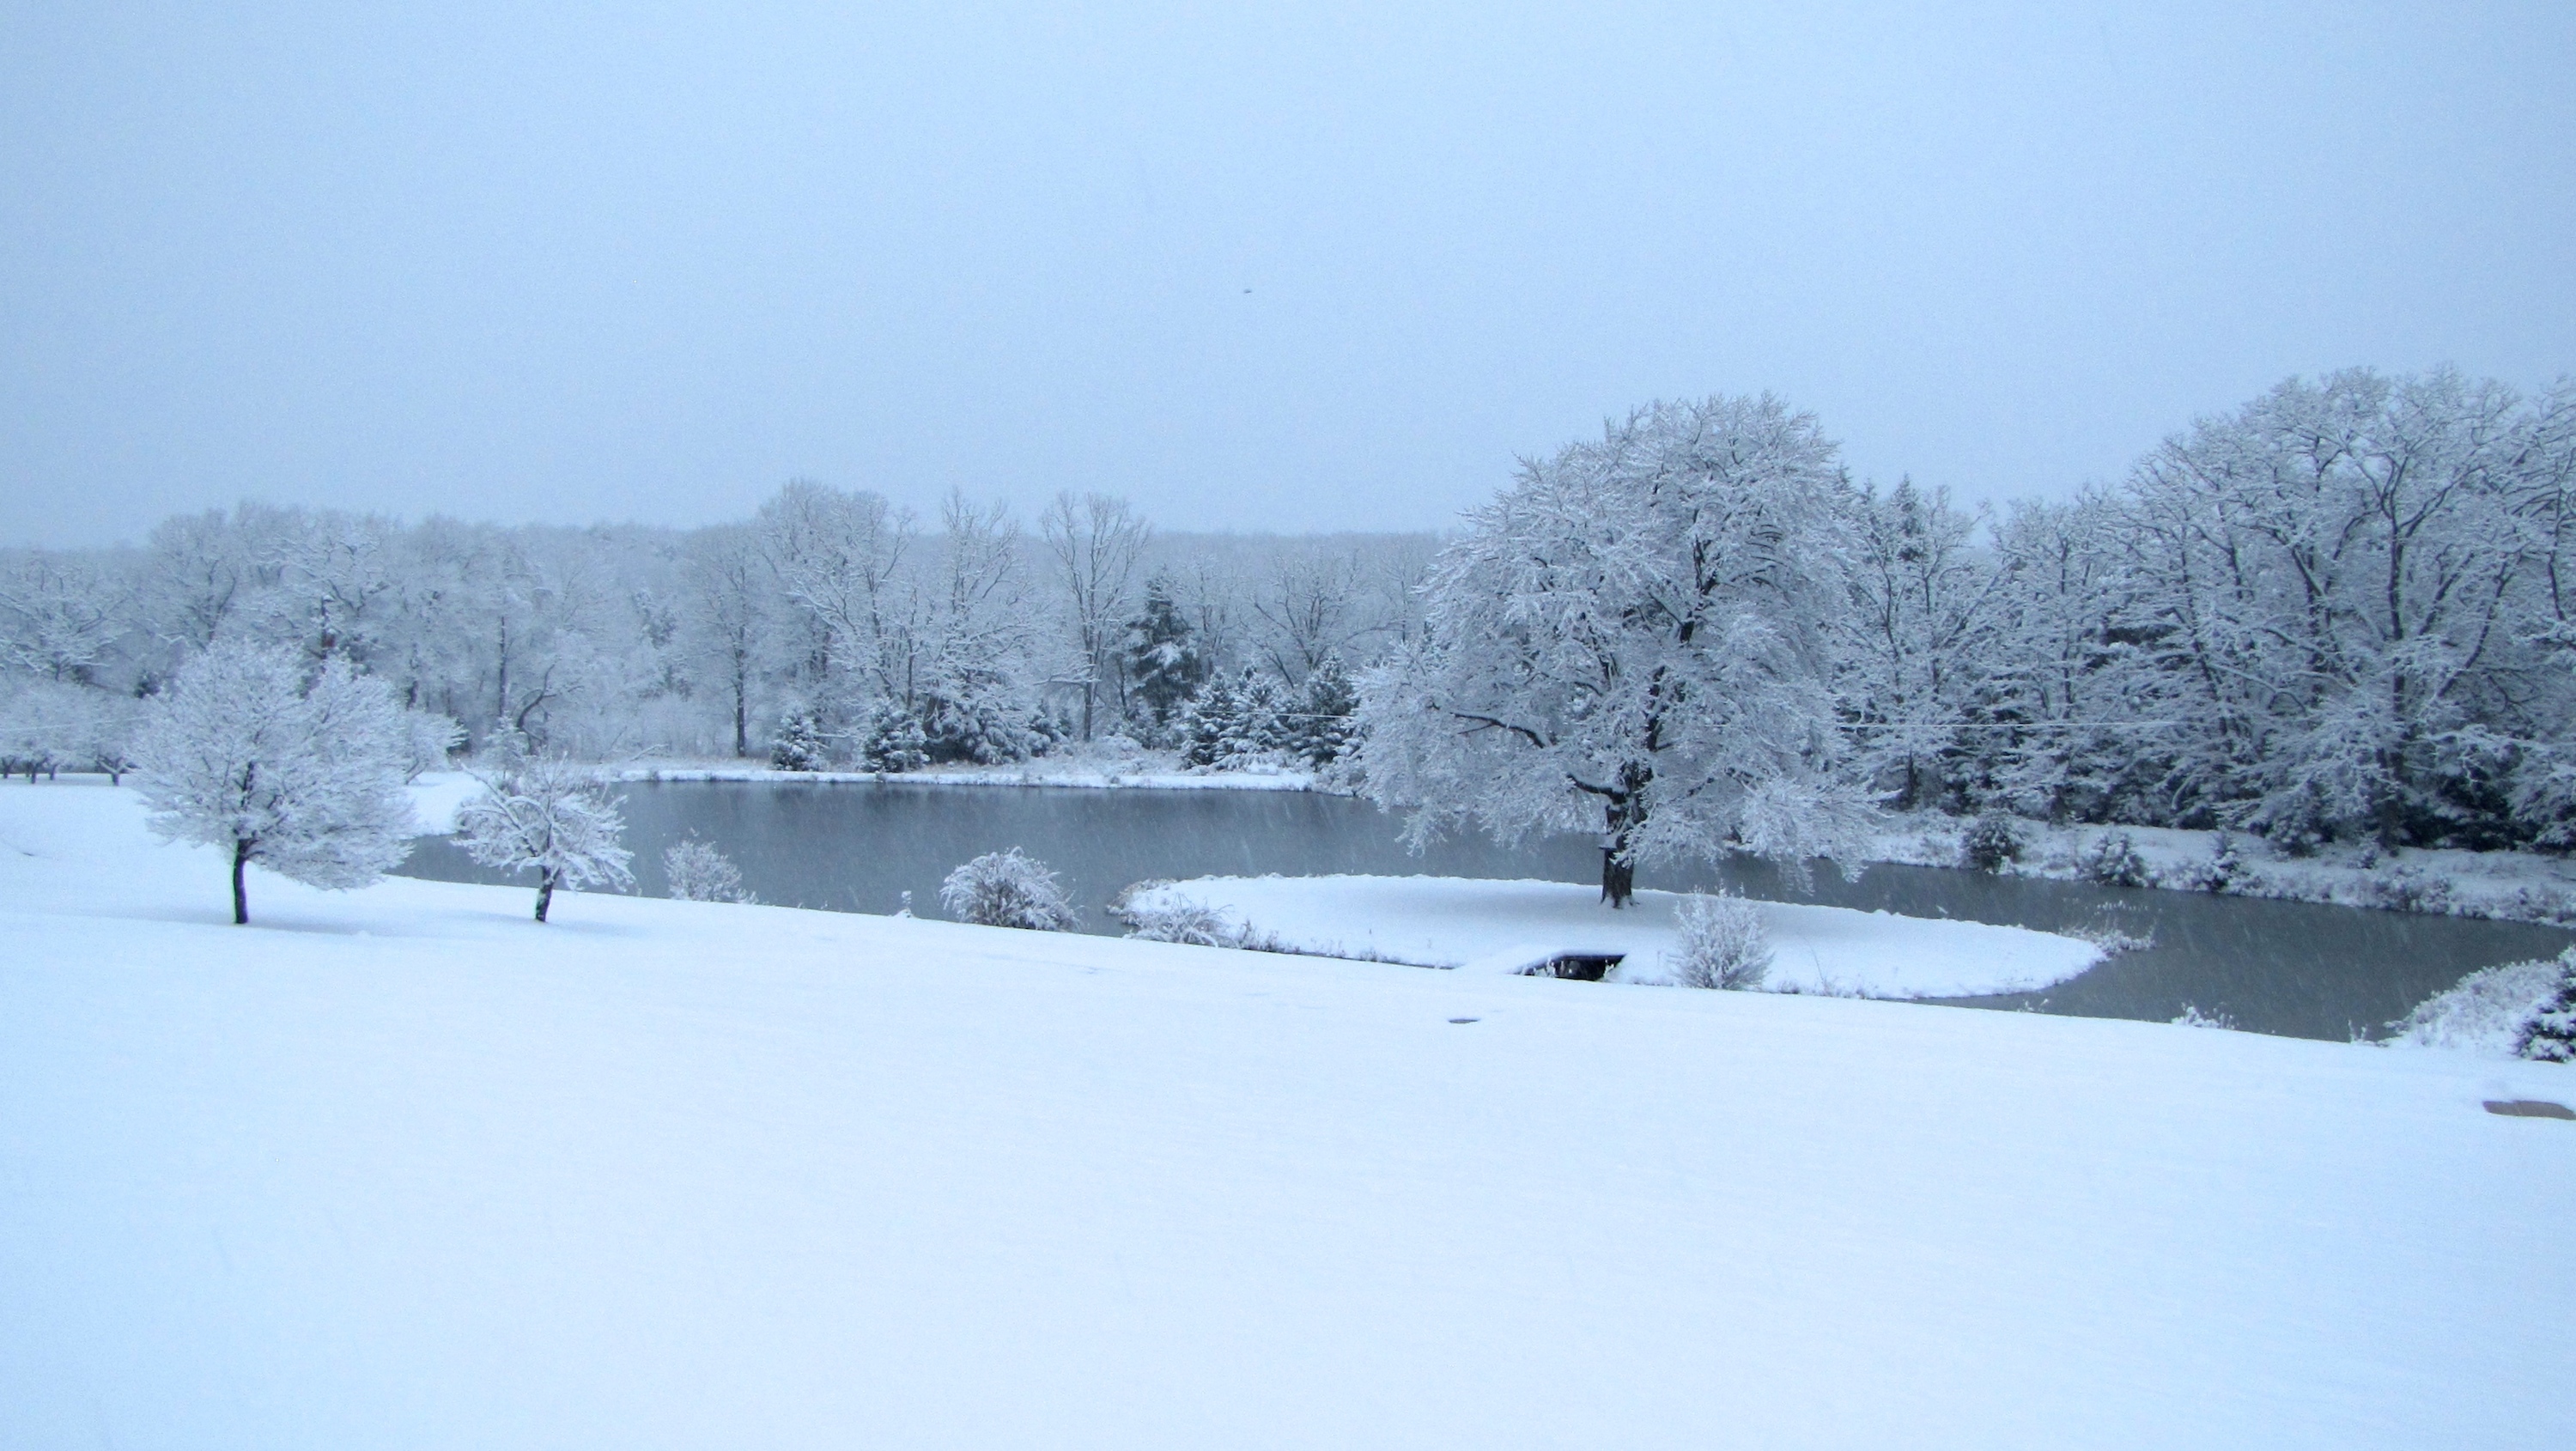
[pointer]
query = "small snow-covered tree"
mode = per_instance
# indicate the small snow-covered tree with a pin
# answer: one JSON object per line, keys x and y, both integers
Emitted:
{"x": 1637, "y": 637}
{"x": 1320, "y": 729}
{"x": 1009, "y": 889}
{"x": 891, "y": 739}
{"x": 2550, "y": 1034}
{"x": 800, "y": 744}
{"x": 1209, "y": 722}
{"x": 297, "y": 769}
{"x": 545, "y": 814}
{"x": 697, "y": 872}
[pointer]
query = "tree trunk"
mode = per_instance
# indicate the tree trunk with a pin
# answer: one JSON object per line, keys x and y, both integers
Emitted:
{"x": 241, "y": 898}
{"x": 545, "y": 891}
{"x": 1618, "y": 878}
{"x": 1618, "y": 859}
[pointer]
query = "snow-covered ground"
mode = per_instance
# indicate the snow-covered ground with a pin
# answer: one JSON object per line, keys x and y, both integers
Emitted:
{"x": 401, "y": 1168}
{"x": 1454, "y": 922}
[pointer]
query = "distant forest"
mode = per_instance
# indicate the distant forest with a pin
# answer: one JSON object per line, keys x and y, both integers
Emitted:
{"x": 2340, "y": 611}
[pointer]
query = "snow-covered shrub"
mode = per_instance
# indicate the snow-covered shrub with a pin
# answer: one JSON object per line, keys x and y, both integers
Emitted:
{"x": 1723, "y": 943}
{"x": 1008, "y": 889}
{"x": 2486, "y": 1011}
{"x": 2113, "y": 860}
{"x": 545, "y": 814}
{"x": 2193, "y": 1017}
{"x": 2549, "y": 1035}
{"x": 2226, "y": 870}
{"x": 2407, "y": 889}
{"x": 1193, "y": 923}
{"x": 697, "y": 872}
{"x": 301, "y": 773}
{"x": 1990, "y": 843}
{"x": 800, "y": 744}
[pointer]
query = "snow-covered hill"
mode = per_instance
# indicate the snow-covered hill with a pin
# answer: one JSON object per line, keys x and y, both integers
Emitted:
{"x": 401, "y": 1168}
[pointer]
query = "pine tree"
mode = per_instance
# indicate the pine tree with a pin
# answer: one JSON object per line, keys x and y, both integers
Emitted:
{"x": 800, "y": 744}
{"x": 2550, "y": 1035}
{"x": 1320, "y": 731}
{"x": 1163, "y": 658}
{"x": 299, "y": 772}
{"x": 1210, "y": 723}
{"x": 891, "y": 739}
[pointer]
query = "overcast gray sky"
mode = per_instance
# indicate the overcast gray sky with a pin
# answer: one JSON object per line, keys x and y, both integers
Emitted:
{"x": 1255, "y": 267}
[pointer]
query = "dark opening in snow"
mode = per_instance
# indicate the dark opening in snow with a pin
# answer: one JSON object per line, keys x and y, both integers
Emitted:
{"x": 1580, "y": 966}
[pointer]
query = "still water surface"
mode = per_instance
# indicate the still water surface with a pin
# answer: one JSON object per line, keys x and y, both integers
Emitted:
{"x": 2273, "y": 967}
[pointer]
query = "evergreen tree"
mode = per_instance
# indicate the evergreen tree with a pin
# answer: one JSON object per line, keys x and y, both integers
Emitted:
{"x": 800, "y": 744}
{"x": 1209, "y": 723}
{"x": 1163, "y": 657}
{"x": 1320, "y": 730}
{"x": 2550, "y": 1035}
{"x": 891, "y": 740}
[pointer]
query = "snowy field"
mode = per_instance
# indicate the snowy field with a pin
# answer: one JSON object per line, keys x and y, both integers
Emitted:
{"x": 1457, "y": 922}
{"x": 399, "y": 1168}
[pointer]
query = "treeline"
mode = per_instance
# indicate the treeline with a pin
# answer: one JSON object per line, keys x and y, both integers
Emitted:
{"x": 834, "y": 628}
{"x": 2339, "y": 611}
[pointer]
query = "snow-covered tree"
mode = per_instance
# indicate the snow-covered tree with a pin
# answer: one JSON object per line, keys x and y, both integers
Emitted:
{"x": 547, "y": 815}
{"x": 1637, "y": 637}
{"x": 59, "y": 614}
{"x": 47, "y": 725}
{"x": 891, "y": 739}
{"x": 1920, "y": 639}
{"x": 1096, "y": 541}
{"x": 1322, "y": 727}
{"x": 1009, "y": 889}
{"x": 2550, "y": 1034}
{"x": 1164, "y": 664}
{"x": 300, "y": 769}
{"x": 800, "y": 744}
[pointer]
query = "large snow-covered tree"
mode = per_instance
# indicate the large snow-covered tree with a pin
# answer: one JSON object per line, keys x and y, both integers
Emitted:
{"x": 1637, "y": 637}
{"x": 297, "y": 767}
{"x": 545, "y": 814}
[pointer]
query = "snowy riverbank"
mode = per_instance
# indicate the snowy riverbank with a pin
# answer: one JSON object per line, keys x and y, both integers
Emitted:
{"x": 1453, "y": 922}
{"x": 2506, "y": 886}
{"x": 401, "y": 1168}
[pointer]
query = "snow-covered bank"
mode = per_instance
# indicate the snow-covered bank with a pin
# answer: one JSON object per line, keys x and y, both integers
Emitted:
{"x": 1452, "y": 921}
{"x": 400, "y": 1168}
{"x": 2506, "y": 886}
